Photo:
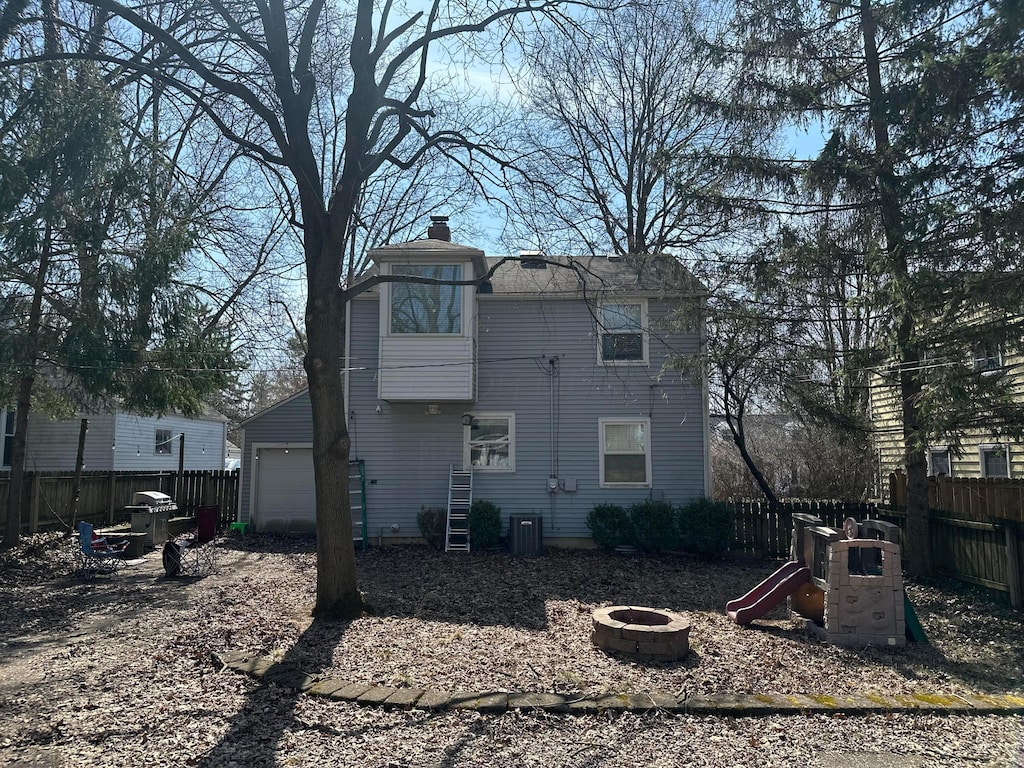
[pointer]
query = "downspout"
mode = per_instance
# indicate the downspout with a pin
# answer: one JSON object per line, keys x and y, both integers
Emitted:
{"x": 552, "y": 437}
{"x": 551, "y": 417}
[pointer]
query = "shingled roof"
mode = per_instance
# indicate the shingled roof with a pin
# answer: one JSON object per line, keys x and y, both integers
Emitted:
{"x": 566, "y": 275}
{"x": 572, "y": 275}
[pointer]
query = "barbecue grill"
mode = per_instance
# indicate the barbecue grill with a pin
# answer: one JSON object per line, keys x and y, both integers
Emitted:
{"x": 149, "y": 512}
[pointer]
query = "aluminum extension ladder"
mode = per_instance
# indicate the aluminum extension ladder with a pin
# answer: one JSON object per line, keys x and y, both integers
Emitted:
{"x": 460, "y": 499}
{"x": 357, "y": 496}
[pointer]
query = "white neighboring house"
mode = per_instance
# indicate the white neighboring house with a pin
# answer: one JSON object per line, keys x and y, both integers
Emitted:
{"x": 233, "y": 456}
{"x": 119, "y": 441}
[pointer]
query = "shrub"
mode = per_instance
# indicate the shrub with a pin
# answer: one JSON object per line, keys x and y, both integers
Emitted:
{"x": 432, "y": 522}
{"x": 484, "y": 524}
{"x": 706, "y": 527}
{"x": 609, "y": 526}
{"x": 653, "y": 524}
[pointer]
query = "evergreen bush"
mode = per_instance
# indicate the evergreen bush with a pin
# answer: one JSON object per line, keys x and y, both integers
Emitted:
{"x": 484, "y": 524}
{"x": 432, "y": 522}
{"x": 653, "y": 525}
{"x": 706, "y": 527}
{"x": 609, "y": 526}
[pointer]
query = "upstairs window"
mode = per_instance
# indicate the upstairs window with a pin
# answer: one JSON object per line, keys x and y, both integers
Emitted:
{"x": 623, "y": 340}
{"x": 988, "y": 357}
{"x": 426, "y": 308}
{"x": 164, "y": 440}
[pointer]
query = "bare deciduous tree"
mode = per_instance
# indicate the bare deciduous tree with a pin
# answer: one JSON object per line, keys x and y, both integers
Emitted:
{"x": 266, "y": 75}
{"x": 625, "y": 135}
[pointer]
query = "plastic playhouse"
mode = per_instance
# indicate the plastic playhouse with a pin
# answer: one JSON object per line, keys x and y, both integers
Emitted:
{"x": 847, "y": 584}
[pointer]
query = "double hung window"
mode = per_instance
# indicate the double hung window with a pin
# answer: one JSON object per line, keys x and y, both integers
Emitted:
{"x": 995, "y": 460}
{"x": 938, "y": 462}
{"x": 490, "y": 442}
{"x": 7, "y": 438}
{"x": 988, "y": 357}
{"x": 623, "y": 339}
{"x": 625, "y": 452}
{"x": 163, "y": 440}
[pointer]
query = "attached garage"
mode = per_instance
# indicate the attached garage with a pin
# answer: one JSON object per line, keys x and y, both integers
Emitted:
{"x": 283, "y": 496}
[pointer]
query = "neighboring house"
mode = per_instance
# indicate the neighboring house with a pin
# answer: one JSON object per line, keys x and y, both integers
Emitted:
{"x": 979, "y": 451}
{"x": 118, "y": 441}
{"x": 547, "y": 380}
{"x": 232, "y": 456}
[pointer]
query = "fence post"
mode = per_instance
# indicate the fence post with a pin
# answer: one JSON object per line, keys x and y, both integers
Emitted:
{"x": 33, "y": 504}
{"x": 1013, "y": 577}
{"x": 762, "y": 532}
{"x": 111, "y": 497}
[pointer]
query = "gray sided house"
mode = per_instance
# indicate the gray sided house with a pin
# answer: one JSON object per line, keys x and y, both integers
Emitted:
{"x": 547, "y": 381}
{"x": 118, "y": 441}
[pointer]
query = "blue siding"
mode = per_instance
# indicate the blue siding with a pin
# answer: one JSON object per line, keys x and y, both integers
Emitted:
{"x": 408, "y": 452}
{"x": 205, "y": 443}
{"x": 292, "y": 421}
{"x": 123, "y": 442}
{"x": 52, "y": 445}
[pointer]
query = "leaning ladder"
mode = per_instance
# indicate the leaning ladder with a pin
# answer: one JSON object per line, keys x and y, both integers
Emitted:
{"x": 460, "y": 499}
{"x": 357, "y": 495}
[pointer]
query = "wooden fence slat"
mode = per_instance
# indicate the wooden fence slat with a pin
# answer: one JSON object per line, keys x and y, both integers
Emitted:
{"x": 969, "y": 543}
{"x": 104, "y": 495}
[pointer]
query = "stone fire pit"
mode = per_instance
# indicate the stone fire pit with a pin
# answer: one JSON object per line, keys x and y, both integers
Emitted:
{"x": 645, "y": 634}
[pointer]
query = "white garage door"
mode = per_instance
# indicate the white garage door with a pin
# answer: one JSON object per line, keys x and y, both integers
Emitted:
{"x": 285, "y": 498}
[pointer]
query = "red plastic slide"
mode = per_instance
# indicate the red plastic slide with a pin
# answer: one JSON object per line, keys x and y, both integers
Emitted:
{"x": 769, "y": 593}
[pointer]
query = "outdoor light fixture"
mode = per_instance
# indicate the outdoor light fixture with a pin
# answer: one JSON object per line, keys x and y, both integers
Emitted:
{"x": 467, "y": 419}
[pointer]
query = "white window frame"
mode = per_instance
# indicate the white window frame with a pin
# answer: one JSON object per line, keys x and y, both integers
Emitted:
{"x": 644, "y": 335}
{"x": 5, "y": 436}
{"x": 986, "y": 363}
{"x": 467, "y": 438}
{"x": 983, "y": 449}
{"x": 394, "y": 269}
{"x": 949, "y": 459}
{"x": 604, "y": 422}
{"x": 158, "y": 443}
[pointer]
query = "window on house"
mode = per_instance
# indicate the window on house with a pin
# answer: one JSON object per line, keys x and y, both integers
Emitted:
{"x": 995, "y": 461}
{"x": 7, "y": 438}
{"x": 988, "y": 356}
{"x": 423, "y": 308}
{"x": 938, "y": 462}
{"x": 164, "y": 441}
{"x": 625, "y": 452}
{"x": 490, "y": 442}
{"x": 622, "y": 332}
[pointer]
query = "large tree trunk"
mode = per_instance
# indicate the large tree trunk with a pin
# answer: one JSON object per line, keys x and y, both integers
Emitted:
{"x": 917, "y": 552}
{"x": 917, "y": 541}
{"x": 29, "y": 359}
{"x": 337, "y": 593}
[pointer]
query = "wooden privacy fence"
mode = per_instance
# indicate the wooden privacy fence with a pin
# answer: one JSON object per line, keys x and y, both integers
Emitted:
{"x": 103, "y": 496}
{"x": 765, "y": 530}
{"x": 967, "y": 498}
{"x": 986, "y": 552}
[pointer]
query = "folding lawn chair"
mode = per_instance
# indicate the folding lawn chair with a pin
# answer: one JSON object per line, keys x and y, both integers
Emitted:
{"x": 95, "y": 555}
{"x": 186, "y": 556}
